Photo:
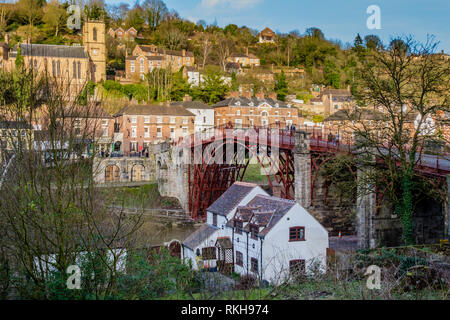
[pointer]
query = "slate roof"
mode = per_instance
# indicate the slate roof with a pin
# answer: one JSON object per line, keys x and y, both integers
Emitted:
{"x": 150, "y": 48}
{"x": 159, "y": 58}
{"x": 191, "y": 104}
{"x": 232, "y": 65}
{"x": 231, "y": 198}
{"x": 157, "y": 110}
{"x": 245, "y": 102}
{"x": 224, "y": 242}
{"x": 14, "y": 125}
{"x": 336, "y": 92}
{"x": 199, "y": 236}
{"x": 272, "y": 209}
{"x": 49, "y": 50}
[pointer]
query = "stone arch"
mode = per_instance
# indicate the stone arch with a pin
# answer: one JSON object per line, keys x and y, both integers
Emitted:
{"x": 137, "y": 173}
{"x": 112, "y": 173}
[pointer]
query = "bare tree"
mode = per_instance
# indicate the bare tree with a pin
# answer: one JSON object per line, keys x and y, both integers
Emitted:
{"x": 224, "y": 47}
{"x": 409, "y": 85}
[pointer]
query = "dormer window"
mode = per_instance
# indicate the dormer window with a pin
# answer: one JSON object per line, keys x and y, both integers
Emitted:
{"x": 277, "y": 105}
{"x": 238, "y": 103}
{"x": 238, "y": 112}
{"x": 251, "y": 104}
{"x": 238, "y": 226}
{"x": 254, "y": 231}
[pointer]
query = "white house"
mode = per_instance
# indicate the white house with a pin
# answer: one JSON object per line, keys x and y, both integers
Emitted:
{"x": 193, "y": 76}
{"x": 273, "y": 238}
{"x": 202, "y": 242}
{"x": 250, "y": 232}
{"x": 204, "y": 114}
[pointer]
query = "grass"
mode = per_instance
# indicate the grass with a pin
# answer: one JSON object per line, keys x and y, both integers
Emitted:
{"x": 253, "y": 174}
{"x": 146, "y": 197}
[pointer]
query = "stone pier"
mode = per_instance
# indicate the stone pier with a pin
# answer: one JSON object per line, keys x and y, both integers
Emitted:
{"x": 172, "y": 173}
{"x": 365, "y": 210}
{"x": 302, "y": 167}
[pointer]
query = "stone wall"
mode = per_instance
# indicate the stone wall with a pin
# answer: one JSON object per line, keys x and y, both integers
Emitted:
{"x": 125, "y": 166}
{"x": 172, "y": 173}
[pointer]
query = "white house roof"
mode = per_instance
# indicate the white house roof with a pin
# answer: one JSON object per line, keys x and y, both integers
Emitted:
{"x": 231, "y": 198}
{"x": 197, "y": 237}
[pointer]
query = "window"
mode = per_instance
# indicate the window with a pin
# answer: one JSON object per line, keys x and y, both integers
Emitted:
{"x": 172, "y": 119}
{"x": 94, "y": 34}
{"x": 159, "y": 132}
{"x": 185, "y": 130}
{"x": 254, "y": 230}
{"x": 159, "y": 120}
{"x": 133, "y": 132}
{"x": 239, "y": 259}
{"x": 336, "y": 107}
{"x": 132, "y": 66}
{"x": 264, "y": 114}
{"x": 146, "y": 119}
{"x": 185, "y": 120}
{"x": 297, "y": 234}
{"x": 105, "y": 131}
{"x": 74, "y": 69}
{"x": 288, "y": 114}
{"x": 254, "y": 265}
{"x": 133, "y": 146}
{"x": 297, "y": 267}
{"x": 133, "y": 119}
{"x": 204, "y": 119}
{"x": 209, "y": 253}
{"x": 141, "y": 65}
{"x": 146, "y": 132}
{"x": 251, "y": 111}
{"x": 238, "y": 227}
{"x": 53, "y": 68}
{"x": 238, "y": 123}
{"x": 238, "y": 112}
{"x": 214, "y": 220}
{"x": 95, "y": 52}
{"x": 59, "y": 68}
{"x": 251, "y": 123}
{"x": 79, "y": 70}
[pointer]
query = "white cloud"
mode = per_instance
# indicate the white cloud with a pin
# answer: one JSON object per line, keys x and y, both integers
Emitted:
{"x": 236, "y": 4}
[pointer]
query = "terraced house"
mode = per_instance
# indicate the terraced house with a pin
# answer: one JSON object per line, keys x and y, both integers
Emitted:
{"x": 145, "y": 58}
{"x": 140, "y": 125}
{"x": 245, "y": 112}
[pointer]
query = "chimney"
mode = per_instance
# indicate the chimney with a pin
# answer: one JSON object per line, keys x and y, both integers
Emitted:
{"x": 260, "y": 95}
{"x": 187, "y": 98}
{"x": 234, "y": 94}
{"x": 247, "y": 51}
{"x": 273, "y": 96}
{"x": 183, "y": 52}
{"x": 247, "y": 94}
{"x": 7, "y": 39}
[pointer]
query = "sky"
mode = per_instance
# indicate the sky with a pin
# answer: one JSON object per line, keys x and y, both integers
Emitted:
{"x": 339, "y": 20}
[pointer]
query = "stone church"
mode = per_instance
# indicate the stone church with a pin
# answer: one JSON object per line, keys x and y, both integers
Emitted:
{"x": 71, "y": 65}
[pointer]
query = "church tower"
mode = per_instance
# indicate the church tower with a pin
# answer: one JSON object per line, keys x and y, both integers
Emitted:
{"x": 94, "y": 41}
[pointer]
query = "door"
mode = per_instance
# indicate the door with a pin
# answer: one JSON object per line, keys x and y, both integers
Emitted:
{"x": 112, "y": 174}
{"x": 137, "y": 173}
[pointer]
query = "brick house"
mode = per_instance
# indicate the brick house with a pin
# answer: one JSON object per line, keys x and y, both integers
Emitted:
{"x": 141, "y": 125}
{"x": 146, "y": 57}
{"x": 258, "y": 111}
{"x": 120, "y": 33}
{"x": 267, "y": 36}
{"x": 245, "y": 60}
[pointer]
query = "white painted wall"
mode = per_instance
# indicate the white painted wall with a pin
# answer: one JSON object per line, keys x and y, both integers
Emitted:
{"x": 278, "y": 251}
{"x": 204, "y": 118}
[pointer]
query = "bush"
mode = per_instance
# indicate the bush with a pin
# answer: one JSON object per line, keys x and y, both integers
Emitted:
{"x": 246, "y": 282}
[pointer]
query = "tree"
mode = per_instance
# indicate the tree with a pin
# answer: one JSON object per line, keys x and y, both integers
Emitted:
{"x": 30, "y": 10}
{"x": 224, "y": 46}
{"x": 154, "y": 12}
{"x": 406, "y": 82}
{"x": 373, "y": 42}
{"x": 6, "y": 11}
{"x": 180, "y": 86}
{"x": 213, "y": 88}
{"x": 358, "y": 43}
{"x": 55, "y": 16}
{"x": 281, "y": 87}
{"x": 315, "y": 33}
{"x": 206, "y": 41}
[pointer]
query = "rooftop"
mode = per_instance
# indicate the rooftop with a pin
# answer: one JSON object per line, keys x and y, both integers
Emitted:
{"x": 157, "y": 110}
{"x": 231, "y": 198}
{"x": 49, "y": 50}
{"x": 250, "y": 102}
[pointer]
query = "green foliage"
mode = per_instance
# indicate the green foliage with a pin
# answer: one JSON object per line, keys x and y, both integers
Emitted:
{"x": 212, "y": 90}
{"x": 317, "y": 118}
{"x": 281, "y": 86}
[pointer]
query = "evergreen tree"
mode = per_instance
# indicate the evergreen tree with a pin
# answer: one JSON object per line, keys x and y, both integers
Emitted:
{"x": 281, "y": 87}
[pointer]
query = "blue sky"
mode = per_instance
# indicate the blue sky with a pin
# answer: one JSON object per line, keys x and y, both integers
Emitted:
{"x": 337, "y": 19}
